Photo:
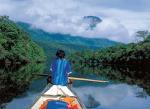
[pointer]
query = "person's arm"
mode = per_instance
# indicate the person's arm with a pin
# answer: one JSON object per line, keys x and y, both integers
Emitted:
{"x": 50, "y": 68}
{"x": 52, "y": 65}
{"x": 69, "y": 70}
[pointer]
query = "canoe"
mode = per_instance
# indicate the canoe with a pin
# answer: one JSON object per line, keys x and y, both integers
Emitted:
{"x": 57, "y": 97}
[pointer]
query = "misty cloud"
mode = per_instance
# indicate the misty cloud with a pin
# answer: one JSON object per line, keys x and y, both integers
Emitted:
{"x": 121, "y": 18}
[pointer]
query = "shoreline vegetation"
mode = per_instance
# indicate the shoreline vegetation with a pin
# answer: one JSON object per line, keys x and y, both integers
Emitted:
{"x": 16, "y": 47}
{"x": 127, "y": 63}
{"x": 19, "y": 58}
{"x": 133, "y": 54}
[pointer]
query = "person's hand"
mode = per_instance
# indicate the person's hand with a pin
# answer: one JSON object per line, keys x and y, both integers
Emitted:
{"x": 48, "y": 79}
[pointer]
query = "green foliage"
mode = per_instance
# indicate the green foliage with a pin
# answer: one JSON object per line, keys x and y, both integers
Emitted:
{"x": 142, "y": 34}
{"x": 15, "y": 44}
{"x": 50, "y": 48}
{"x": 130, "y": 54}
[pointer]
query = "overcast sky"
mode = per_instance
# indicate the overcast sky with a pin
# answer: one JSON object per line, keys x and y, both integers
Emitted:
{"x": 121, "y": 18}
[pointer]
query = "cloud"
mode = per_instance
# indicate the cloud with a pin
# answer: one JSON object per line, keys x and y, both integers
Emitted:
{"x": 101, "y": 94}
{"x": 118, "y": 95}
{"x": 121, "y": 18}
{"x": 134, "y": 5}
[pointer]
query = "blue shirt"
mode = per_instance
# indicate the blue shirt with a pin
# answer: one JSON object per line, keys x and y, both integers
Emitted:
{"x": 60, "y": 69}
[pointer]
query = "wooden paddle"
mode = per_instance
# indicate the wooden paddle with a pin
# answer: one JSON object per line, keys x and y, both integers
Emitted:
{"x": 76, "y": 78}
{"x": 89, "y": 80}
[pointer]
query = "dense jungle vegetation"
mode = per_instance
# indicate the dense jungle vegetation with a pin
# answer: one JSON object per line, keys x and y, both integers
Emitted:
{"x": 15, "y": 44}
{"x": 123, "y": 54}
{"x": 17, "y": 49}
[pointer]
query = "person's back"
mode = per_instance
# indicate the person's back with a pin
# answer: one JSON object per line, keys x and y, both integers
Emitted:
{"x": 60, "y": 68}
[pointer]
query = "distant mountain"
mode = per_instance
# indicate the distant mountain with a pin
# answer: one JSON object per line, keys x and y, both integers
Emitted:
{"x": 91, "y": 21}
{"x": 51, "y": 47}
{"x": 41, "y": 35}
{"x": 53, "y": 41}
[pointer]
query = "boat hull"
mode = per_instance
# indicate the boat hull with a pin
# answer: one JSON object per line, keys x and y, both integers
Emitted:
{"x": 57, "y": 93}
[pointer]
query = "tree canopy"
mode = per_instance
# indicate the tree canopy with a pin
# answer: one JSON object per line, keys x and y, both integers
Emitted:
{"x": 123, "y": 54}
{"x": 15, "y": 44}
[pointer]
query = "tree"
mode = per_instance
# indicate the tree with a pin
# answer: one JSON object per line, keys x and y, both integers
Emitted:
{"x": 142, "y": 34}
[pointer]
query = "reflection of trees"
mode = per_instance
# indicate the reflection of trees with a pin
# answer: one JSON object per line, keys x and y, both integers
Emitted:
{"x": 141, "y": 94}
{"x": 14, "y": 82}
{"x": 138, "y": 75}
{"x": 91, "y": 102}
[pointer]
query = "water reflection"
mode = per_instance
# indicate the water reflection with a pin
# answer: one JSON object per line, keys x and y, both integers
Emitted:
{"x": 134, "y": 75}
{"x": 115, "y": 96}
{"x": 112, "y": 96}
{"x": 127, "y": 89}
{"x": 14, "y": 81}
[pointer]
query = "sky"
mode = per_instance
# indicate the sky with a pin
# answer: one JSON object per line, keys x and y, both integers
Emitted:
{"x": 121, "y": 19}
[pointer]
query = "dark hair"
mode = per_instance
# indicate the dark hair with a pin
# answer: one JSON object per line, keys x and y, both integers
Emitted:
{"x": 60, "y": 54}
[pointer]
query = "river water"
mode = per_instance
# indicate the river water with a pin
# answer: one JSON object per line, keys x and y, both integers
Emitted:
{"x": 112, "y": 95}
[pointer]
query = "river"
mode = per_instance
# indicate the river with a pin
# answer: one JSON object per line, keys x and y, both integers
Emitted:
{"x": 112, "y": 95}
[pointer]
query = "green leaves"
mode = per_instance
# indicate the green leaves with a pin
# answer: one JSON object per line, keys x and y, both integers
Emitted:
{"x": 142, "y": 34}
{"x": 130, "y": 54}
{"x": 15, "y": 44}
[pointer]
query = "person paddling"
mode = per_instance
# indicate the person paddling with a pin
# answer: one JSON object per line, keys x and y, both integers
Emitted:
{"x": 60, "y": 69}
